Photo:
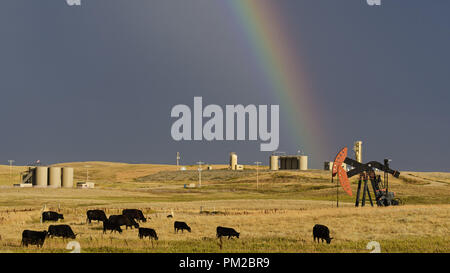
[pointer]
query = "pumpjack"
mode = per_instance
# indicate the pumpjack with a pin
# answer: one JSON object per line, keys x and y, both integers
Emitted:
{"x": 366, "y": 172}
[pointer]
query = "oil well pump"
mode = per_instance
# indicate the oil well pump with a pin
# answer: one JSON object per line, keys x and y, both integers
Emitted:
{"x": 366, "y": 172}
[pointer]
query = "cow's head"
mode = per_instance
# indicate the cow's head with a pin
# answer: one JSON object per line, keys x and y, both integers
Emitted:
{"x": 329, "y": 240}
{"x": 237, "y": 234}
{"x": 60, "y": 216}
{"x": 136, "y": 225}
{"x": 189, "y": 229}
{"x": 46, "y": 233}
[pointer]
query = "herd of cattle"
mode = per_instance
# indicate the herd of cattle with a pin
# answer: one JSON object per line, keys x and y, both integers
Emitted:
{"x": 128, "y": 218}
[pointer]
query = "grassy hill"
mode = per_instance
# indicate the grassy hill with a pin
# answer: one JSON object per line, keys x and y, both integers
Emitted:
{"x": 276, "y": 217}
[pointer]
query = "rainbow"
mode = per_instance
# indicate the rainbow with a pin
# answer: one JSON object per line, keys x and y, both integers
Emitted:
{"x": 262, "y": 26}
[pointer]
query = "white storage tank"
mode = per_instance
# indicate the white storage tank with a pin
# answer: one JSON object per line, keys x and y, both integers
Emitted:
{"x": 303, "y": 162}
{"x": 274, "y": 163}
{"x": 41, "y": 177}
{"x": 67, "y": 177}
{"x": 233, "y": 161}
{"x": 54, "y": 177}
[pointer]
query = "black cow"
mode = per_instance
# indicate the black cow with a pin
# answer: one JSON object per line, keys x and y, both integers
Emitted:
{"x": 107, "y": 225}
{"x": 51, "y": 216}
{"x": 61, "y": 231}
{"x": 95, "y": 214}
{"x": 181, "y": 225}
{"x": 321, "y": 232}
{"x": 224, "y": 231}
{"x": 148, "y": 232}
{"x": 33, "y": 237}
{"x": 123, "y": 220}
{"x": 135, "y": 214}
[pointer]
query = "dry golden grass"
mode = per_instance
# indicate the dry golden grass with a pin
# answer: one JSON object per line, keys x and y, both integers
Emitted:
{"x": 278, "y": 217}
{"x": 420, "y": 228}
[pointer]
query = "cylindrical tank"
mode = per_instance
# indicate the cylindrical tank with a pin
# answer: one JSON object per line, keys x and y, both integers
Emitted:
{"x": 67, "y": 177}
{"x": 41, "y": 176}
{"x": 303, "y": 162}
{"x": 357, "y": 148}
{"x": 233, "y": 161}
{"x": 54, "y": 177}
{"x": 274, "y": 163}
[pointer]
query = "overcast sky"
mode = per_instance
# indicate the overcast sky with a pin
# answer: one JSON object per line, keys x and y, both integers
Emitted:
{"x": 98, "y": 82}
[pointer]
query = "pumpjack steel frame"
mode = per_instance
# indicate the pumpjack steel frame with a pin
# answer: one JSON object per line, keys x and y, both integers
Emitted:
{"x": 366, "y": 172}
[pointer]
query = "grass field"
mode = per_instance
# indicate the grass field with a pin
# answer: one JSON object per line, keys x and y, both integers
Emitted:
{"x": 276, "y": 217}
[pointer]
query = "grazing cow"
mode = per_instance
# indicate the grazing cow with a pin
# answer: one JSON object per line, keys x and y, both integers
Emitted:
{"x": 224, "y": 231}
{"x": 181, "y": 225}
{"x": 61, "y": 231}
{"x": 95, "y": 214}
{"x": 135, "y": 214}
{"x": 123, "y": 220}
{"x": 148, "y": 232}
{"x": 321, "y": 232}
{"x": 51, "y": 216}
{"x": 33, "y": 237}
{"x": 107, "y": 225}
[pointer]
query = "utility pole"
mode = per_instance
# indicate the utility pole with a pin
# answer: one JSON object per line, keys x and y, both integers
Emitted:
{"x": 87, "y": 173}
{"x": 10, "y": 169}
{"x": 178, "y": 158}
{"x": 200, "y": 173}
{"x": 257, "y": 177}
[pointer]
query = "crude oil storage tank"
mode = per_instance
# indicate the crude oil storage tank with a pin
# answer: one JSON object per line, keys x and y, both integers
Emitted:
{"x": 54, "y": 177}
{"x": 233, "y": 161}
{"x": 274, "y": 162}
{"x": 41, "y": 177}
{"x": 67, "y": 177}
{"x": 303, "y": 162}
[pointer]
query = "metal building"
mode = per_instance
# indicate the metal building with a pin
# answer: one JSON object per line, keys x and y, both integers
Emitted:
{"x": 328, "y": 166}
{"x": 292, "y": 162}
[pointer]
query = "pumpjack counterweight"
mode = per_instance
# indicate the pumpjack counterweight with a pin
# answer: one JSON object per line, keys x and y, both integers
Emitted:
{"x": 367, "y": 173}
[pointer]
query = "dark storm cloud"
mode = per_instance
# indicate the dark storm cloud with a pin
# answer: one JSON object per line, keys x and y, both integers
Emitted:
{"x": 97, "y": 82}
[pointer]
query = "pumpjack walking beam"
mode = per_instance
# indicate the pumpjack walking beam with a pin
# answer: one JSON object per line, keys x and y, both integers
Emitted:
{"x": 366, "y": 172}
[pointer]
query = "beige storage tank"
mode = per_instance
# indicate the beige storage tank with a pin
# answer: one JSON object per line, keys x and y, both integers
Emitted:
{"x": 233, "y": 161}
{"x": 303, "y": 162}
{"x": 54, "y": 177}
{"x": 274, "y": 163}
{"x": 41, "y": 176}
{"x": 357, "y": 148}
{"x": 67, "y": 177}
